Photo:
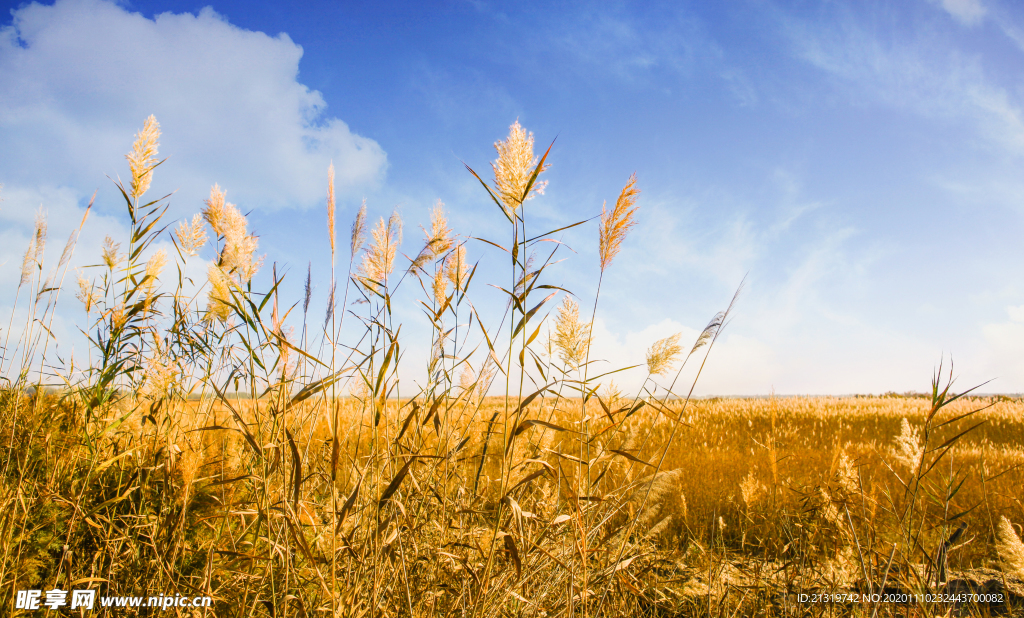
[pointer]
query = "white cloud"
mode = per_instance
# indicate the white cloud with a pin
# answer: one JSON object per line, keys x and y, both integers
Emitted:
{"x": 967, "y": 12}
{"x": 80, "y": 76}
{"x": 915, "y": 72}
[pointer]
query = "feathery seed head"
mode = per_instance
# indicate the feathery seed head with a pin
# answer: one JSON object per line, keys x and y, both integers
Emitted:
{"x": 1010, "y": 548}
{"x": 615, "y": 224}
{"x": 308, "y": 288}
{"x": 514, "y": 167}
{"x": 572, "y": 337}
{"x": 117, "y": 317}
{"x": 191, "y": 236}
{"x": 440, "y": 286}
{"x": 155, "y": 264}
{"x": 159, "y": 375}
{"x": 908, "y": 450}
{"x": 238, "y": 256}
{"x": 111, "y": 257}
{"x": 86, "y": 293}
{"x": 456, "y": 267}
{"x": 330, "y": 206}
{"x": 439, "y": 238}
{"x": 359, "y": 230}
{"x": 142, "y": 158}
{"x": 217, "y": 307}
{"x": 663, "y": 354}
{"x": 40, "y": 234}
{"x": 379, "y": 259}
{"x": 28, "y": 262}
{"x": 214, "y": 211}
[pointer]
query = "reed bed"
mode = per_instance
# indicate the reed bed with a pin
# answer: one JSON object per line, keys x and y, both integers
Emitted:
{"x": 219, "y": 443}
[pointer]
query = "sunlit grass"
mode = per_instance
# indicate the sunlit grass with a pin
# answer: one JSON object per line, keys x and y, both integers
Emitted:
{"x": 220, "y": 443}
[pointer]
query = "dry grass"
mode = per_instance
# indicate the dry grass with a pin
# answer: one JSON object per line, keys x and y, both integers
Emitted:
{"x": 207, "y": 449}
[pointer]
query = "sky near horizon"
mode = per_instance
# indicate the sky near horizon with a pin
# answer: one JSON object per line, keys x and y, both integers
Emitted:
{"x": 860, "y": 163}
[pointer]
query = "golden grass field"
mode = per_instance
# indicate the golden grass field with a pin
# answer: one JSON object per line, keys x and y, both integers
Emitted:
{"x": 215, "y": 444}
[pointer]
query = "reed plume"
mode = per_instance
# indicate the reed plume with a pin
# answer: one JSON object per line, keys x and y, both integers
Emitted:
{"x": 154, "y": 266}
{"x": 214, "y": 211}
{"x": 330, "y": 206}
{"x": 663, "y": 354}
{"x": 359, "y": 230}
{"x": 615, "y": 224}
{"x": 238, "y": 254}
{"x": 191, "y": 236}
{"x": 111, "y": 255}
{"x": 572, "y": 337}
{"x": 217, "y": 307}
{"x": 28, "y": 262}
{"x": 379, "y": 260}
{"x": 142, "y": 158}
{"x": 439, "y": 238}
{"x": 86, "y": 293}
{"x": 514, "y": 167}
{"x": 308, "y": 288}
{"x": 908, "y": 450}
{"x": 456, "y": 267}
{"x": 1010, "y": 548}
{"x": 440, "y": 286}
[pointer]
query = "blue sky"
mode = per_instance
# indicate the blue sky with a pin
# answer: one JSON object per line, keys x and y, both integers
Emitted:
{"x": 860, "y": 162}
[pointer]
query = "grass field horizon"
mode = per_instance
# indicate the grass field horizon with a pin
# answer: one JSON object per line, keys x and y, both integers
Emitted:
{"x": 221, "y": 441}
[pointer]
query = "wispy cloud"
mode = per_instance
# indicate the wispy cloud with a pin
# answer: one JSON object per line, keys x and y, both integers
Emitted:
{"x": 910, "y": 68}
{"x": 967, "y": 12}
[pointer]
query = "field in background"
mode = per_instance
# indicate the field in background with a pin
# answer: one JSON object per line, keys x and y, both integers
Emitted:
{"x": 753, "y": 497}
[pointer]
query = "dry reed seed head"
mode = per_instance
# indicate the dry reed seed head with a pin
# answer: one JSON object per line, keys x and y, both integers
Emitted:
{"x": 142, "y": 158}
{"x": 456, "y": 267}
{"x": 160, "y": 373}
{"x": 330, "y": 206}
{"x": 65, "y": 255}
{"x": 28, "y": 262}
{"x": 87, "y": 293}
{"x": 617, "y": 223}
{"x": 217, "y": 307}
{"x": 908, "y": 449}
{"x": 662, "y": 355}
{"x": 439, "y": 238}
{"x": 467, "y": 379}
{"x": 191, "y": 236}
{"x": 359, "y": 230}
{"x": 379, "y": 259}
{"x": 213, "y": 212}
{"x": 308, "y": 290}
{"x": 1009, "y": 548}
{"x": 666, "y": 503}
{"x": 514, "y": 167}
{"x": 572, "y": 337}
{"x": 40, "y": 236}
{"x": 846, "y": 474}
{"x": 117, "y": 317}
{"x": 440, "y": 285}
{"x": 155, "y": 266}
{"x": 238, "y": 256}
{"x": 612, "y": 393}
{"x": 752, "y": 490}
{"x": 111, "y": 257}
